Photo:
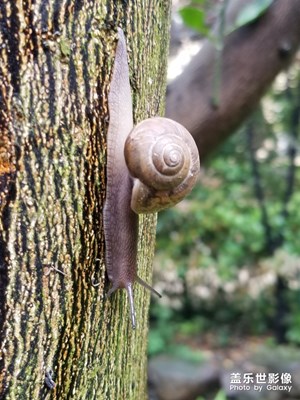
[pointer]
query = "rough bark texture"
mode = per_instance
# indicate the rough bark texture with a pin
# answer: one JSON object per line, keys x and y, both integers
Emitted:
{"x": 252, "y": 57}
{"x": 55, "y": 67}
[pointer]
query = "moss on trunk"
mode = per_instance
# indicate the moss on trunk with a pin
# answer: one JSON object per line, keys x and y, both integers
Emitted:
{"x": 55, "y": 67}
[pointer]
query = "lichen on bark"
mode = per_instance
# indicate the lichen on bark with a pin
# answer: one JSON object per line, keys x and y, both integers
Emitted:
{"x": 55, "y": 67}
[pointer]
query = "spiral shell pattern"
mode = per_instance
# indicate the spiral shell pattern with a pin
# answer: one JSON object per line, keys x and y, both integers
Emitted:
{"x": 163, "y": 158}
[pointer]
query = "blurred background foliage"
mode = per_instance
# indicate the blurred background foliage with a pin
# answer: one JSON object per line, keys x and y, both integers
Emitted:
{"x": 228, "y": 257}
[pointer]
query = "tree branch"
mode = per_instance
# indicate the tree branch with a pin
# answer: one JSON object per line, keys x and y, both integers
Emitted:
{"x": 252, "y": 57}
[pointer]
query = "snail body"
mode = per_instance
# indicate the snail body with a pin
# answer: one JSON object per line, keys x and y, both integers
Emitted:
{"x": 149, "y": 168}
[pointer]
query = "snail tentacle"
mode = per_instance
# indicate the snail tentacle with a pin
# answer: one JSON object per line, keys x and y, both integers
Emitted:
{"x": 147, "y": 286}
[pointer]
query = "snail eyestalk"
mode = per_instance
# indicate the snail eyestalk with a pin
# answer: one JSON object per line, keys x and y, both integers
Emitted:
{"x": 147, "y": 286}
{"x": 131, "y": 305}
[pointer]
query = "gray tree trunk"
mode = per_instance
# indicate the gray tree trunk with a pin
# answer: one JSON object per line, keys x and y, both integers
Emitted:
{"x": 252, "y": 57}
{"x": 56, "y": 59}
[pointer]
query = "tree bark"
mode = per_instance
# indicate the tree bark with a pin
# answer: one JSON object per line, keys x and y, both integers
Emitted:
{"x": 252, "y": 57}
{"x": 55, "y": 65}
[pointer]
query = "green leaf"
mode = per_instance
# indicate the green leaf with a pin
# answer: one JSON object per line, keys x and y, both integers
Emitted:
{"x": 156, "y": 342}
{"x": 251, "y": 12}
{"x": 220, "y": 395}
{"x": 194, "y": 18}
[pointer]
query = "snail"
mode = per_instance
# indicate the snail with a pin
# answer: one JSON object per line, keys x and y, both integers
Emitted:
{"x": 149, "y": 168}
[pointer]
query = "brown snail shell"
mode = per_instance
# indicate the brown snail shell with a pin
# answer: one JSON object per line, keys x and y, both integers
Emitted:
{"x": 163, "y": 158}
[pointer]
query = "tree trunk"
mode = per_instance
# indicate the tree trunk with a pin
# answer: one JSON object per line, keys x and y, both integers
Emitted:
{"x": 252, "y": 57}
{"x": 56, "y": 62}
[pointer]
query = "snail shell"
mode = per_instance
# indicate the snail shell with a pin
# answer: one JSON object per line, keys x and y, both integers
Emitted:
{"x": 163, "y": 158}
